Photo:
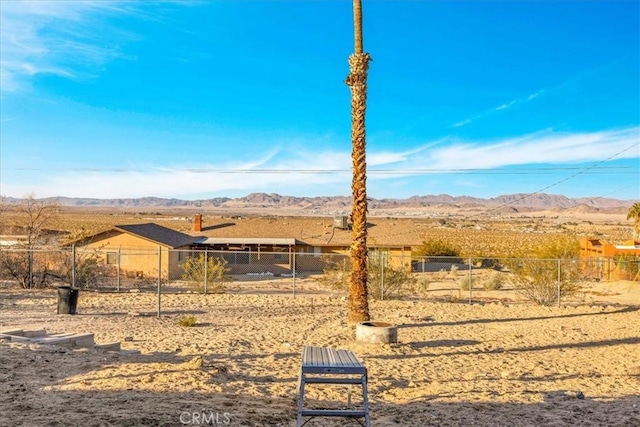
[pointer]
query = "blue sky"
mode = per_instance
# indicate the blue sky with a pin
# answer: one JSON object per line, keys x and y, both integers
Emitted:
{"x": 224, "y": 98}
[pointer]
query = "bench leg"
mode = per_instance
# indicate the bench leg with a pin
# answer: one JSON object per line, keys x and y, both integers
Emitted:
{"x": 300, "y": 399}
{"x": 365, "y": 401}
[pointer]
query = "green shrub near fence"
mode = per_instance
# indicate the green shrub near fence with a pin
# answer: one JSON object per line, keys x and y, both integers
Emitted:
{"x": 206, "y": 273}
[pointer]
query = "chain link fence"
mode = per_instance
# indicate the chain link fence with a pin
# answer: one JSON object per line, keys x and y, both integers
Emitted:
{"x": 454, "y": 279}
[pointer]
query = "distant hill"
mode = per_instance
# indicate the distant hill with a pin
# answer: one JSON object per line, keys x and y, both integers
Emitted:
{"x": 336, "y": 204}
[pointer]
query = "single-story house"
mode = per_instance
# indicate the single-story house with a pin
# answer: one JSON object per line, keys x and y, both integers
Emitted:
{"x": 271, "y": 249}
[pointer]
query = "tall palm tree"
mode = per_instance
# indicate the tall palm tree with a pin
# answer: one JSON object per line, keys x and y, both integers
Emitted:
{"x": 634, "y": 213}
{"x": 358, "y": 309}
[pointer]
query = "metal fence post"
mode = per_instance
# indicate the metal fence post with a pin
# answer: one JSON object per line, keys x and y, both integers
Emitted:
{"x": 293, "y": 273}
{"x": 73, "y": 265}
{"x": 559, "y": 280}
{"x": 470, "y": 282}
{"x": 118, "y": 272}
{"x": 381, "y": 276}
{"x": 206, "y": 262}
{"x": 30, "y": 265}
{"x": 159, "y": 276}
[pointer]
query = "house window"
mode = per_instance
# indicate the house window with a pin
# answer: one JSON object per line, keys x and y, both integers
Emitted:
{"x": 112, "y": 257}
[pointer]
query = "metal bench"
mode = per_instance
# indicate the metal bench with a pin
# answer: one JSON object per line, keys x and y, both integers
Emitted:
{"x": 322, "y": 365}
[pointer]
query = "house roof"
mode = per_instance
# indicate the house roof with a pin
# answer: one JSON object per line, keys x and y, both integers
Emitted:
{"x": 260, "y": 231}
{"x": 309, "y": 230}
{"x": 157, "y": 233}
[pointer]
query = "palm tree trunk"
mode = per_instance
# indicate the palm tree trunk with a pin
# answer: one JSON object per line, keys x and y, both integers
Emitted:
{"x": 357, "y": 26}
{"x": 358, "y": 309}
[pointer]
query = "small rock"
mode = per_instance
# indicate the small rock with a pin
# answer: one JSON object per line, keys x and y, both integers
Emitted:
{"x": 580, "y": 395}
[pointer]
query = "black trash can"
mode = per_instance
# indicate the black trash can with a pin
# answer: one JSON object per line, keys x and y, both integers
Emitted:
{"x": 67, "y": 300}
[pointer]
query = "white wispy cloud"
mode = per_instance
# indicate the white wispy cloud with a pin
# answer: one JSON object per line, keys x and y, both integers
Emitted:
{"x": 461, "y": 123}
{"x": 309, "y": 172}
{"x": 501, "y": 107}
{"x": 72, "y": 39}
{"x": 540, "y": 148}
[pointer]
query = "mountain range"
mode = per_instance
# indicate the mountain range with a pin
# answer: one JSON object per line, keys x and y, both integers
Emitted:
{"x": 336, "y": 204}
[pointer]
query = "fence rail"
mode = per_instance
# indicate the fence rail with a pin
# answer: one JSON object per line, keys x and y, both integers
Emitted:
{"x": 164, "y": 271}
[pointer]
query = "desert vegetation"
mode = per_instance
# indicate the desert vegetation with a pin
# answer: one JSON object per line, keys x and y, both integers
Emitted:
{"x": 383, "y": 279}
{"x": 206, "y": 274}
{"x": 480, "y": 249}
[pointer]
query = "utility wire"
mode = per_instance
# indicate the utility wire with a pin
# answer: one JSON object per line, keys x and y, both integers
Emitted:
{"x": 580, "y": 172}
{"x": 474, "y": 171}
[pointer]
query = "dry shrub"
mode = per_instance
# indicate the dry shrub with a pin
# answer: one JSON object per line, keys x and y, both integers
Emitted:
{"x": 465, "y": 283}
{"x": 384, "y": 281}
{"x": 494, "y": 282}
{"x": 212, "y": 271}
{"x": 551, "y": 275}
{"x": 187, "y": 321}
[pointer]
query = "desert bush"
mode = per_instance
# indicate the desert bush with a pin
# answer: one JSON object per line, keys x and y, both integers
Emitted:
{"x": 39, "y": 268}
{"x": 384, "y": 281}
{"x": 465, "y": 283}
{"x": 628, "y": 266}
{"x": 422, "y": 285}
{"x": 24, "y": 268}
{"x": 494, "y": 282}
{"x": 440, "y": 275}
{"x": 454, "y": 270}
{"x": 187, "y": 321}
{"x": 22, "y": 264}
{"x": 562, "y": 247}
{"x": 336, "y": 273}
{"x": 432, "y": 249}
{"x": 551, "y": 274}
{"x": 90, "y": 270}
{"x": 212, "y": 271}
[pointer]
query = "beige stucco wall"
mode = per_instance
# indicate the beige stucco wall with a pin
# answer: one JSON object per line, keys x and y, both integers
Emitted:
{"x": 138, "y": 257}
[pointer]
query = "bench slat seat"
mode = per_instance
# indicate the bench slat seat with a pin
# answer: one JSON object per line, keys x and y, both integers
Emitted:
{"x": 333, "y": 413}
{"x": 323, "y": 365}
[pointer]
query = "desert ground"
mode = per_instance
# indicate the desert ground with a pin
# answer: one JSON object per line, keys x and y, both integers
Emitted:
{"x": 496, "y": 362}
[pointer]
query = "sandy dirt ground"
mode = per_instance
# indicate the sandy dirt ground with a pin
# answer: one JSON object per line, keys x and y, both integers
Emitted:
{"x": 492, "y": 363}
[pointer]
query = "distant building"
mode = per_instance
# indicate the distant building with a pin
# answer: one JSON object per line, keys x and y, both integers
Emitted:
{"x": 606, "y": 261}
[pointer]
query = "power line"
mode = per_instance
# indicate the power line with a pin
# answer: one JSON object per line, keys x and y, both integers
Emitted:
{"x": 580, "y": 172}
{"x": 450, "y": 171}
